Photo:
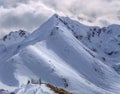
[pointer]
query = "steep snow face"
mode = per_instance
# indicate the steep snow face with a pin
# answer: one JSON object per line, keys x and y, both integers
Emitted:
{"x": 11, "y": 41}
{"x": 9, "y": 44}
{"x": 60, "y": 52}
{"x": 105, "y": 42}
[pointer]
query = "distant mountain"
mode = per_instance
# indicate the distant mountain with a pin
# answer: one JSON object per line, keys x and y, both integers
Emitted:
{"x": 65, "y": 53}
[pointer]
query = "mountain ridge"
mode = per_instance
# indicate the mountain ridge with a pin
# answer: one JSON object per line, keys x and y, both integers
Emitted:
{"x": 58, "y": 52}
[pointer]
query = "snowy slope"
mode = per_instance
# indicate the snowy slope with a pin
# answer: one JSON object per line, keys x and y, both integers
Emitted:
{"x": 61, "y": 52}
{"x": 104, "y": 42}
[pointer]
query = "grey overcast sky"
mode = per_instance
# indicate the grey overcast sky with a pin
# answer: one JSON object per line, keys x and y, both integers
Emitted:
{"x": 30, "y": 14}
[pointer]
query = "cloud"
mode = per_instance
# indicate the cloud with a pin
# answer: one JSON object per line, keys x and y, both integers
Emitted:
{"x": 30, "y": 14}
{"x": 27, "y": 16}
{"x": 95, "y": 12}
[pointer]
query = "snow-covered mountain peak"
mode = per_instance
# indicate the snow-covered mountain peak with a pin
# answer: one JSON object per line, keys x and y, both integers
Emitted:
{"x": 55, "y": 23}
{"x": 62, "y": 52}
{"x": 14, "y": 38}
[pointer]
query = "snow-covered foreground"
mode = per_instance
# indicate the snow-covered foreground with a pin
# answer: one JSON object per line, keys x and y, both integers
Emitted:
{"x": 34, "y": 89}
{"x": 65, "y": 53}
{"x": 31, "y": 89}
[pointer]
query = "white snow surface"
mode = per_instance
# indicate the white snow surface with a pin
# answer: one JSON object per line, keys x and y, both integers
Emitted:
{"x": 62, "y": 50}
{"x": 34, "y": 89}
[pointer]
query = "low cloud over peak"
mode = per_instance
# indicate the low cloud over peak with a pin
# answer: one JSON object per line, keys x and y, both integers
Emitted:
{"x": 29, "y": 14}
